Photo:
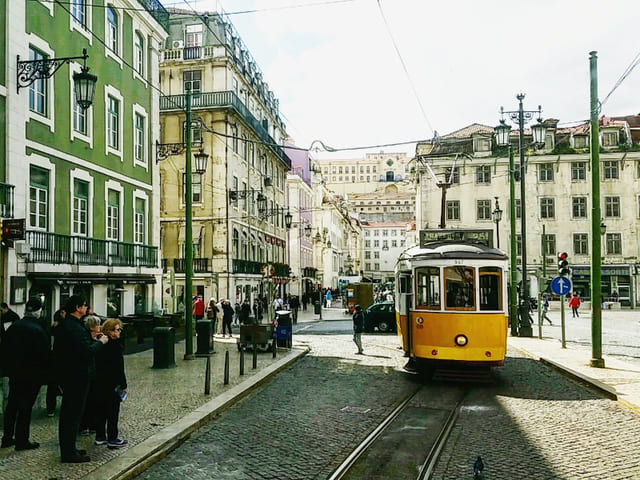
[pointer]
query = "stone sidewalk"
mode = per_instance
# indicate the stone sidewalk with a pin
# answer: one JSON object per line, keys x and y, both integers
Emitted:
{"x": 163, "y": 407}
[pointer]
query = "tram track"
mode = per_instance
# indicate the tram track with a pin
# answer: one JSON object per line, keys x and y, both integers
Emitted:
{"x": 408, "y": 442}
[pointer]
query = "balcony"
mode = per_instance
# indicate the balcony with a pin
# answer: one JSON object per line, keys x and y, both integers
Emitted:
{"x": 157, "y": 11}
{"x": 56, "y": 248}
{"x": 6, "y": 200}
{"x": 223, "y": 100}
{"x": 200, "y": 265}
{"x": 247, "y": 266}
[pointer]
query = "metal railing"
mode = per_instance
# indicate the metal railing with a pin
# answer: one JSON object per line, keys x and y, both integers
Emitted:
{"x": 200, "y": 265}
{"x": 247, "y": 266}
{"x": 225, "y": 99}
{"x": 157, "y": 11}
{"x": 56, "y": 248}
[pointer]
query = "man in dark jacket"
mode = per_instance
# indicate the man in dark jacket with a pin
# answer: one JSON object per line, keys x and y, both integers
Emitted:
{"x": 25, "y": 359}
{"x": 8, "y": 317}
{"x": 74, "y": 357}
{"x": 358, "y": 328}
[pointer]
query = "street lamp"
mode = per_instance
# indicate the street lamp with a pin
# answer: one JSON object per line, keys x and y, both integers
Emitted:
{"x": 497, "y": 216}
{"x": 163, "y": 151}
{"x": 521, "y": 116}
{"x": 84, "y": 82}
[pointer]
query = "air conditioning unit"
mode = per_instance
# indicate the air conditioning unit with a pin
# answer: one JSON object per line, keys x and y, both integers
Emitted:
{"x": 267, "y": 182}
{"x": 177, "y": 44}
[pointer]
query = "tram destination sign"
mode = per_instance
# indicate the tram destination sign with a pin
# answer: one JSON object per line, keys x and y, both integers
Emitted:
{"x": 483, "y": 236}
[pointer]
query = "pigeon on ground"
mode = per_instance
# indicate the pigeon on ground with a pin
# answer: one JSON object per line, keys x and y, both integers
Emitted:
{"x": 478, "y": 466}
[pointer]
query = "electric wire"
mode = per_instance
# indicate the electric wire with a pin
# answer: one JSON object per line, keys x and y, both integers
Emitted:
{"x": 404, "y": 67}
{"x": 634, "y": 63}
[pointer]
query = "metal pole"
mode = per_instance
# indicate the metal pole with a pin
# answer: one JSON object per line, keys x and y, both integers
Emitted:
{"x": 525, "y": 325}
{"x": 513, "y": 294}
{"x": 562, "y": 300}
{"x": 226, "y": 368}
{"x": 207, "y": 376}
{"x": 188, "y": 260}
{"x": 596, "y": 252}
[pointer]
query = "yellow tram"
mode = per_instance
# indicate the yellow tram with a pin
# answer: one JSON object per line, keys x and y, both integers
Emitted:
{"x": 452, "y": 302}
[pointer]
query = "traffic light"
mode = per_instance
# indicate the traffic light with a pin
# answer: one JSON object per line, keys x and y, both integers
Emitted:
{"x": 5, "y": 239}
{"x": 563, "y": 264}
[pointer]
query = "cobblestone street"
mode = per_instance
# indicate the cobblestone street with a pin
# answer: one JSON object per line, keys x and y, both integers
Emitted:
{"x": 532, "y": 423}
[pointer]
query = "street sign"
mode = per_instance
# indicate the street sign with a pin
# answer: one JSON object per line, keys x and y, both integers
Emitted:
{"x": 560, "y": 285}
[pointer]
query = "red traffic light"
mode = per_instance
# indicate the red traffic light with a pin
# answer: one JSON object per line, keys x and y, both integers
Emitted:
{"x": 563, "y": 256}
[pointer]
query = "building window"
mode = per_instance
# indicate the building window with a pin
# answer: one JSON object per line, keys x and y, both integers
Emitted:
{"x": 580, "y": 243}
{"x": 113, "y": 123}
{"x": 609, "y": 139}
{"x": 138, "y": 54}
{"x": 192, "y": 80}
{"x": 518, "y": 244}
{"x": 614, "y": 243}
{"x": 578, "y": 171}
{"x": 579, "y": 207}
{"x": 481, "y": 144}
{"x": 610, "y": 169}
{"x": 449, "y": 178}
{"x": 376, "y": 254}
{"x": 112, "y": 30}
{"x": 193, "y": 35}
{"x": 548, "y": 244}
{"x": 376, "y": 266}
{"x": 580, "y": 141}
{"x": 38, "y": 89}
{"x": 376, "y": 243}
{"x": 483, "y": 209}
{"x": 547, "y": 209}
{"x": 612, "y": 206}
{"x": 139, "y": 220}
{"x": 38, "y": 198}
{"x": 234, "y": 137}
{"x": 545, "y": 172}
{"x": 453, "y": 210}
{"x": 483, "y": 174}
{"x": 518, "y": 208}
{"x": 79, "y": 117}
{"x": 367, "y": 266}
{"x": 367, "y": 255}
{"x": 113, "y": 215}
{"x": 367, "y": 243}
{"x": 78, "y": 11}
{"x": 394, "y": 243}
{"x": 235, "y": 243}
{"x": 80, "y": 207}
{"x": 139, "y": 139}
{"x": 402, "y": 242}
{"x": 196, "y": 188}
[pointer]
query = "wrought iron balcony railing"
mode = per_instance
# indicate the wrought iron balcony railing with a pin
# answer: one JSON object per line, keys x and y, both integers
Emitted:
{"x": 226, "y": 99}
{"x": 200, "y": 265}
{"x": 56, "y": 248}
{"x": 247, "y": 266}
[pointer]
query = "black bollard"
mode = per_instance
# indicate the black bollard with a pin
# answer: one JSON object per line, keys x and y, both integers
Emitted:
{"x": 226, "y": 367}
{"x": 255, "y": 356}
{"x": 274, "y": 347}
{"x": 242, "y": 361}
{"x": 207, "y": 377}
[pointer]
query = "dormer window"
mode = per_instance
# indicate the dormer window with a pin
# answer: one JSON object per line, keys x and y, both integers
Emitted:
{"x": 481, "y": 144}
{"x": 609, "y": 139}
{"x": 580, "y": 141}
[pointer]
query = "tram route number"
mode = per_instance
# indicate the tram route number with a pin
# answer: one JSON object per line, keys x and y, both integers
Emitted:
{"x": 560, "y": 285}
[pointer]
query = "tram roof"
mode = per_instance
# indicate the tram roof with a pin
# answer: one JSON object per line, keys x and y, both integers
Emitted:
{"x": 453, "y": 250}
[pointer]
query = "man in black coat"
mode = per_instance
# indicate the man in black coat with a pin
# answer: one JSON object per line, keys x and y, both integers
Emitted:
{"x": 25, "y": 359}
{"x": 74, "y": 358}
{"x": 8, "y": 317}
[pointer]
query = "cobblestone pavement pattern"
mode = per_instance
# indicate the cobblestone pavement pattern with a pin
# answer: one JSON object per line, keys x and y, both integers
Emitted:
{"x": 532, "y": 423}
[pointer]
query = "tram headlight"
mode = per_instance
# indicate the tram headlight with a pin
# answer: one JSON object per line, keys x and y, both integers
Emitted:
{"x": 461, "y": 340}
{"x": 419, "y": 320}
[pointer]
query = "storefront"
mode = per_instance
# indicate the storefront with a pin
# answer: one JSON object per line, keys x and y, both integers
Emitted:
{"x": 616, "y": 283}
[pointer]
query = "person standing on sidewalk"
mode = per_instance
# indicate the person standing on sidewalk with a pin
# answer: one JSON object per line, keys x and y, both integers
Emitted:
{"x": 198, "y": 308}
{"x": 74, "y": 358}
{"x": 358, "y": 327}
{"x": 294, "y": 304}
{"x": 574, "y": 303}
{"x": 112, "y": 386}
{"x": 545, "y": 309}
{"x": 212, "y": 314}
{"x": 25, "y": 359}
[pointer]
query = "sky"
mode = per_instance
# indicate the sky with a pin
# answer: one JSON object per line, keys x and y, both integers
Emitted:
{"x": 364, "y": 73}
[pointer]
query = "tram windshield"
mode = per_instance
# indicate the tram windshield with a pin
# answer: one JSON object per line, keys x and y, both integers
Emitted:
{"x": 490, "y": 288}
{"x": 459, "y": 287}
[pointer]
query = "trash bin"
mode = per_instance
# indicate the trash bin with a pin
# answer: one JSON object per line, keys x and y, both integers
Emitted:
{"x": 164, "y": 351}
{"x": 316, "y": 307}
{"x": 284, "y": 329}
{"x": 204, "y": 335}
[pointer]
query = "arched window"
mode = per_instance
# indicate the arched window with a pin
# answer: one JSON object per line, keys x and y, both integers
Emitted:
{"x": 390, "y": 176}
{"x": 138, "y": 54}
{"x": 245, "y": 246}
{"x": 253, "y": 248}
{"x": 112, "y": 30}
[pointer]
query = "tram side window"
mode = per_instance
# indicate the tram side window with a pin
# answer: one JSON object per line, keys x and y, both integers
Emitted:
{"x": 459, "y": 287}
{"x": 428, "y": 287}
{"x": 490, "y": 288}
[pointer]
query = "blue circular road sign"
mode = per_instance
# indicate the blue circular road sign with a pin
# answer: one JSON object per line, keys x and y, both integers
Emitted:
{"x": 560, "y": 285}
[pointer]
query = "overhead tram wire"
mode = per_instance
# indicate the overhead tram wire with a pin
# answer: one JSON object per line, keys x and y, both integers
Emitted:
{"x": 404, "y": 66}
{"x": 634, "y": 63}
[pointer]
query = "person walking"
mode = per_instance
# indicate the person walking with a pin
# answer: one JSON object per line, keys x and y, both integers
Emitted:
{"x": 328, "y": 298}
{"x": 294, "y": 304}
{"x": 198, "y": 308}
{"x": 305, "y": 300}
{"x": 545, "y": 309}
{"x": 74, "y": 359}
{"x": 227, "y": 315}
{"x": 245, "y": 313}
{"x": 112, "y": 387}
{"x": 574, "y": 303}
{"x": 358, "y": 327}
{"x": 25, "y": 357}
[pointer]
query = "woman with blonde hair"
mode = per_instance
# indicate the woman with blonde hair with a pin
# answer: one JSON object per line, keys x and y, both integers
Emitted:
{"x": 111, "y": 385}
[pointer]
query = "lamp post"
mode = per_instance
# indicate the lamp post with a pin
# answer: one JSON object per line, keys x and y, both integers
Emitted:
{"x": 521, "y": 116}
{"x": 497, "y": 216}
{"x": 84, "y": 82}
{"x": 162, "y": 152}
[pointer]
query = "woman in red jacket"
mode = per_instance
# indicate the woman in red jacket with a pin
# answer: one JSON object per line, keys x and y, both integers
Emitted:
{"x": 574, "y": 303}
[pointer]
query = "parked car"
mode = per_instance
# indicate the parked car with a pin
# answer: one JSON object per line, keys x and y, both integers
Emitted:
{"x": 380, "y": 317}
